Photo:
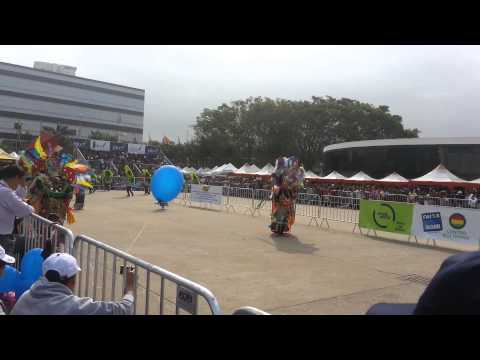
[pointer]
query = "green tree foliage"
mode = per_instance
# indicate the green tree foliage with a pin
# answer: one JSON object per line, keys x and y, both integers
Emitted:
{"x": 258, "y": 130}
{"x": 261, "y": 129}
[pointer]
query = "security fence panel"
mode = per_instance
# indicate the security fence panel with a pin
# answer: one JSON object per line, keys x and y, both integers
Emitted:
{"x": 156, "y": 290}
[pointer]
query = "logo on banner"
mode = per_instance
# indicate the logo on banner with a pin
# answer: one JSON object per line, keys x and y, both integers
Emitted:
{"x": 384, "y": 215}
{"x": 432, "y": 221}
{"x": 457, "y": 221}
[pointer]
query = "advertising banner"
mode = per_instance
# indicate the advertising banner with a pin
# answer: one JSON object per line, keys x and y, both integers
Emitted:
{"x": 207, "y": 194}
{"x": 386, "y": 216}
{"x": 446, "y": 223}
{"x": 152, "y": 150}
{"x": 82, "y": 144}
{"x": 138, "y": 149}
{"x": 99, "y": 145}
{"x": 119, "y": 147}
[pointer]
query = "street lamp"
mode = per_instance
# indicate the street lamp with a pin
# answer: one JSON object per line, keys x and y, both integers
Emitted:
{"x": 18, "y": 127}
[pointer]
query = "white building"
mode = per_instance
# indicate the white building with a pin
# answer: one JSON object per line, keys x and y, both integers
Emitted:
{"x": 39, "y": 98}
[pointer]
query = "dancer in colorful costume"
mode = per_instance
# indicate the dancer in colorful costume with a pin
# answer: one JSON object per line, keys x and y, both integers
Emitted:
{"x": 55, "y": 176}
{"x": 287, "y": 179}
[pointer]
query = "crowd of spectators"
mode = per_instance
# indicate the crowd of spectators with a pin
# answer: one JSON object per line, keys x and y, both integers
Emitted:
{"x": 116, "y": 161}
{"x": 425, "y": 195}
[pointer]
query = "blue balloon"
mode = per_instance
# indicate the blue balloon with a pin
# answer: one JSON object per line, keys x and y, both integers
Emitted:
{"x": 22, "y": 285}
{"x": 31, "y": 265}
{"x": 167, "y": 182}
{"x": 9, "y": 280}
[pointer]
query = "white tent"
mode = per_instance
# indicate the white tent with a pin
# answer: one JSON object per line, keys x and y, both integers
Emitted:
{"x": 5, "y": 156}
{"x": 310, "y": 175}
{"x": 247, "y": 170}
{"x": 14, "y": 155}
{"x": 224, "y": 169}
{"x": 394, "y": 178}
{"x": 361, "y": 176}
{"x": 242, "y": 170}
{"x": 252, "y": 169}
{"x": 334, "y": 176}
{"x": 268, "y": 167}
{"x": 267, "y": 170}
{"x": 188, "y": 170}
{"x": 440, "y": 175}
{"x": 209, "y": 172}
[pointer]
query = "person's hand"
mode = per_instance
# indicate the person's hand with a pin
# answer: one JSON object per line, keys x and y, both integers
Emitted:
{"x": 129, "y": 280}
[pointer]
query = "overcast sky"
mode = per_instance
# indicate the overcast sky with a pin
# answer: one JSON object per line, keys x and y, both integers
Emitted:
{"x": 434, "y": 88}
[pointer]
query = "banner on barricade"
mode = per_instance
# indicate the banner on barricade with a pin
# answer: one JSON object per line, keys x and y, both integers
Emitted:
{"x": 138, "y": 149}
{"x": 386, "y": 216}
{"x": 99, "y": 145}
{"x": 206, "y": 194}
{"x": 446, "y": 223}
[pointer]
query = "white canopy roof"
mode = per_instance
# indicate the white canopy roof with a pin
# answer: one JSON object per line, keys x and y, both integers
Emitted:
{"x": 5, "y": 156}
{"x": 268, "y": 167}
{"x": 361, "y": 176}
{"x": 394, "y": 177}
{"x": 14, "y": 155}
{"x": 187, "y": 170}
{"x": 476, "y": 181}
{"x": 334, "y": 176}
{"x": 252, "y": 169}
{"x": 224, "y": 169}
{"x": 247, "y": 170}
{"x": 242, "y": 169}
{"x": 267, "y": 170}
{"x": 311, "y": 175}
{"x": 441, "y": 175}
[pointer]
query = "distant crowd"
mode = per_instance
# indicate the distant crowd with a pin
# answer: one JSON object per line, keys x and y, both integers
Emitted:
{"x": 116, "y": 161}
{"x": 425, "y": 195}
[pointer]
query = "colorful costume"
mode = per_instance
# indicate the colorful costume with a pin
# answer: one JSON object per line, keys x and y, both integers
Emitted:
{"x": 287, "y": 178}
{"x": 55, "y": 176}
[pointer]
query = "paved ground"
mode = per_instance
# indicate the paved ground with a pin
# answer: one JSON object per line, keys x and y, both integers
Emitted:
{"x": 312, "y": 271}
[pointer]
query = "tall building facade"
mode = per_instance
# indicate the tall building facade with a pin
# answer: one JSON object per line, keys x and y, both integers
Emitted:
{"x": 38, "y": 99}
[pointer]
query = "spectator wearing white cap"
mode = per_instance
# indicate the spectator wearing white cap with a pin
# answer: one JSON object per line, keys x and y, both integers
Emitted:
{"x": 53, "y": 293}
{"x": 4, "y": 261}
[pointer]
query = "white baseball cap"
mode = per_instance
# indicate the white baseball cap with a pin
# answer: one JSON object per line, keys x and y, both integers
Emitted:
{"x": 6, "y": 258}
{"x": 65, "y": 264}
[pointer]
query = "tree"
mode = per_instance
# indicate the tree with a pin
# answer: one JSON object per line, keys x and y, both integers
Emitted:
{"x": 261, "y": 129}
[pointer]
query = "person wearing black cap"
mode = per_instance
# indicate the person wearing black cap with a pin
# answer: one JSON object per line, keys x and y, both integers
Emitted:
{"x": 454, "y": 290}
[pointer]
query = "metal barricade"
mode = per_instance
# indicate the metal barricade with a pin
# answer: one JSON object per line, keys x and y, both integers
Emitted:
{"x": 308, "y": 205}
{"x": 395, "y": 197}
{"x": 248, "y": 310}
{"x": 262, "y": 201}
{"x": 240, "y": 199}
{"x": 156, "y": 291}
{"x": 35, "y": 231}
{"x": 341, "y": 209}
